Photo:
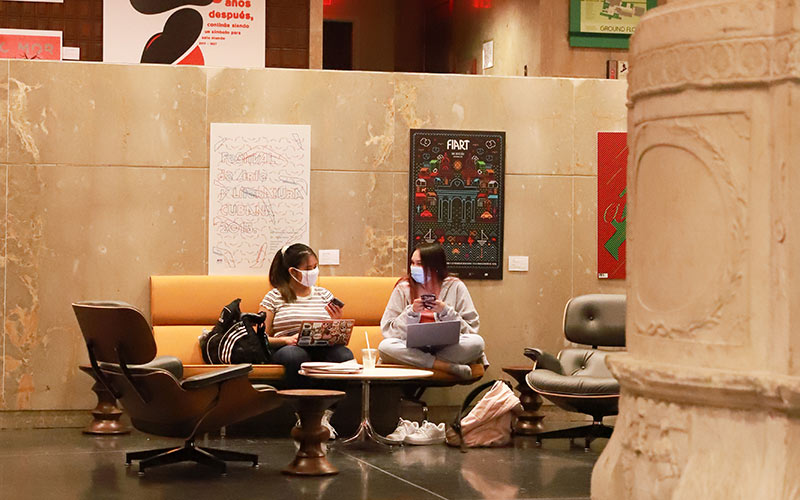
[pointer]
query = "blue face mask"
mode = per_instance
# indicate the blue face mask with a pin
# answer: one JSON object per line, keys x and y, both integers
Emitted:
{"x": 418, "y": 274}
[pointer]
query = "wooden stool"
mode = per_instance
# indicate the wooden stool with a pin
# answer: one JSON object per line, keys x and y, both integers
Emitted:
{"x": 529, "y": 423}
{"x": 105, "y": 416}
{"x": 310, "y": 404}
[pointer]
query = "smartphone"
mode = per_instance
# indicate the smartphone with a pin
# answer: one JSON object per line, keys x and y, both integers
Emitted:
{"x": 428, "y": 300}
{"x": 337, "y": 302}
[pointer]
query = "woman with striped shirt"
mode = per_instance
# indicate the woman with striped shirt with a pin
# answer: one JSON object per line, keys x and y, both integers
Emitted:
{"x": 295, "y": 299}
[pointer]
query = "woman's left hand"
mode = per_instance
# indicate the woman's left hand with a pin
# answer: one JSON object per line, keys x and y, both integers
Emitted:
{"x": 334, "y": 311}
{"x": 438, "y": 306}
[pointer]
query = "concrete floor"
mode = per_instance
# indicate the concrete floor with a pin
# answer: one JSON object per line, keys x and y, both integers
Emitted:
{"x": 65, "y": 464}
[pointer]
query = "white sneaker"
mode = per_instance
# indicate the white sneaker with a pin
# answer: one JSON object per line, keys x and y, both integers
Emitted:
{"x": 404, "y": 428}
{"x": 326, "y": 422}
{"x": 428, "y": 433}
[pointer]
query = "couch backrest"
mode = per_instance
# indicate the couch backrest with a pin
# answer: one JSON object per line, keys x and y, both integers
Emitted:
{"x": 197, "y": 300}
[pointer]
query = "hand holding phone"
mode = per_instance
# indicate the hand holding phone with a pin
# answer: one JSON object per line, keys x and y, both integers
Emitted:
{"x": 428, "y": 300}
{"x": 337, "y": 302}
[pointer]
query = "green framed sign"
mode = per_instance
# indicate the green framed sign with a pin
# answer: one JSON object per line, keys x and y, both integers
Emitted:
{"x": 605, "y": 23}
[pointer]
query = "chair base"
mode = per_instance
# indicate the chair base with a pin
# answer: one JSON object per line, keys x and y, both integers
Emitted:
{"x": 212, "y": 457}
{"x": 588, "y": 432}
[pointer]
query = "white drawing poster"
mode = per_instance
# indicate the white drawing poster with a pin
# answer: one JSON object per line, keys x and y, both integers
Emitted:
{"x": 229, "y": 33}
{"x": 258, "y": 194}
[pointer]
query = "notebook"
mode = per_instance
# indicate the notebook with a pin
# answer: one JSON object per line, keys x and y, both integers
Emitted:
{"x": 325, "y": 333}
{"x": 433, "y": 334}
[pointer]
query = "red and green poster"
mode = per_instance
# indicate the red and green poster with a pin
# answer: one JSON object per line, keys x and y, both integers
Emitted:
{"x": 612, "y": 161}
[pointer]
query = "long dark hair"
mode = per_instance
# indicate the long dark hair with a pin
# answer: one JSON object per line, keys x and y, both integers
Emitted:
{"x": 291, "y": 256}
{"x": 434, "y": 262}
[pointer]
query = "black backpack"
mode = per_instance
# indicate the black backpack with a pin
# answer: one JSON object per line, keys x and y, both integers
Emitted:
{"x": 236, "y": 338}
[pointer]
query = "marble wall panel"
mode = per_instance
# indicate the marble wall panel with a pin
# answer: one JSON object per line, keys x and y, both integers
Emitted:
{"x": 599, "y": 107}
{"x": 85, "y": 233}
{"x": 351, "y": 114}
{"x": 525, "y": 309}
{"x": 584, "y": 250}
{"x": 3, "y": 110}
{"x": 352, "y": 211}
{"x": 400, "y": 223}
{"x": 535, "y": 113}
{"x": 83, "y": 114}
{"x": 3, "y": 267}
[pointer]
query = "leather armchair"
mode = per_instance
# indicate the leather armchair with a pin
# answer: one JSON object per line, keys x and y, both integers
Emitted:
{"x": 578, "y": 380}
{"x": 122, "y": 352}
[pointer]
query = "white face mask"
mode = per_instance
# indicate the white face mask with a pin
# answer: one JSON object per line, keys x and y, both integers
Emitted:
{"x": 309, "y": 277}
{"x": 418, "y": 274}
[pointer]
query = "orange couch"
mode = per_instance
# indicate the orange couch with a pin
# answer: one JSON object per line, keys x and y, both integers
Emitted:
{"x": 182, "y": 306}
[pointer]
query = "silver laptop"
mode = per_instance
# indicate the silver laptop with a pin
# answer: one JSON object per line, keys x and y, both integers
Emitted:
{"x": 433, "y": 334}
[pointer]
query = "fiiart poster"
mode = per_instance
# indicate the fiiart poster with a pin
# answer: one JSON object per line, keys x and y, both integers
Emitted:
{"x": 258, "y": 197}
{"x": 201, "y": 32}
{"x": 612, "y": 162}
{"x": 456, "y": 198}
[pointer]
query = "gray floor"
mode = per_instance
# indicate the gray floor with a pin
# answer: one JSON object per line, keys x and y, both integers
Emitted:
{"x": 65, "y": 464}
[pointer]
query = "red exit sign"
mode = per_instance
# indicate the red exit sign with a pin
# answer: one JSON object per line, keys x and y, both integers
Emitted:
{"x": 482, "y": 4}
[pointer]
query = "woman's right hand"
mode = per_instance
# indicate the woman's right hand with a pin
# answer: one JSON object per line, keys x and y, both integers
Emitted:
{"x": 418, "y": 305}
{"x": 290, "y": 339}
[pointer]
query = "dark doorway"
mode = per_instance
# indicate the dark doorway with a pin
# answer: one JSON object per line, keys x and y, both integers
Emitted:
{"x": 438, "y": 21}
{"x": 337, "y": 45}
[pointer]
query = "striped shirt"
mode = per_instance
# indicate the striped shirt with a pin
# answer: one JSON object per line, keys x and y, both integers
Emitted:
{"x": 289, "y": 316}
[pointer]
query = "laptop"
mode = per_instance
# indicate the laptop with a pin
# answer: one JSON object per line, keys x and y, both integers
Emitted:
{"x": 325, "y": 333}
{"x": 433, "y": 334}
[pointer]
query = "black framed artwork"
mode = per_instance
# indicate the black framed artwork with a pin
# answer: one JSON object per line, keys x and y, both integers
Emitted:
{"x": 456, "y": 197}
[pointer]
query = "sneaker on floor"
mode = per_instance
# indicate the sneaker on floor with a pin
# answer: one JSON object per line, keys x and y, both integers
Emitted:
{"x": 404, "y": 428}
{"x": 428, "y": 433}
{"x": 326, "y": 422}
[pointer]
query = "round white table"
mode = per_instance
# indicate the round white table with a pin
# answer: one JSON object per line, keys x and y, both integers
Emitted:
{"x": 365, "y": 431}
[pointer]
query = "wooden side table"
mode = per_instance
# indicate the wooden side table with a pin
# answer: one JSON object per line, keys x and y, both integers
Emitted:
{"x": 529, "y": 423}
{"x": 105, "y": 416}
{"x": 310, "y": 404}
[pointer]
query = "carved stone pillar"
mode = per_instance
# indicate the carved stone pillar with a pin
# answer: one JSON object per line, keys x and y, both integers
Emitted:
{"x": 710, "y": 402}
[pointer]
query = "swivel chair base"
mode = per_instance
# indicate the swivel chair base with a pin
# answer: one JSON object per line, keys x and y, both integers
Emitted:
{"x": 587, "y": 432}
{"x": 212, "y": 457}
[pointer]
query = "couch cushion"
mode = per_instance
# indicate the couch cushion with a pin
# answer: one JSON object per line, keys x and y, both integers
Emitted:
{"x": 198, "y": 300}
{"x": 364, "y": 297}
{"x": 180, "y": 341}
{"x": 260, "y": 372}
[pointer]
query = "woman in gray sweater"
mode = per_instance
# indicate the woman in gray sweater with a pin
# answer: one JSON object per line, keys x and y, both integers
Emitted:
{"x": 428, "y": 294}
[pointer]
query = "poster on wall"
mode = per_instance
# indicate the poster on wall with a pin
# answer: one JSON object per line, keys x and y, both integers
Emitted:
{"x": 40, "y": 45}
{"x": 258, "y": 197}
{"x": 605, "y": 23}
{"x": 612, "y": 171}
{"x": 201, "y": 32}
{"x": 456, "y": 198}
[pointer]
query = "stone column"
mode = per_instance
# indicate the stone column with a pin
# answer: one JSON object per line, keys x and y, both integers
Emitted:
{"x": 711, "y": 380}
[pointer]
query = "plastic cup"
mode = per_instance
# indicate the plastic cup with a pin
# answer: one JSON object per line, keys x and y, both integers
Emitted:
{"x": 369, "y": 357}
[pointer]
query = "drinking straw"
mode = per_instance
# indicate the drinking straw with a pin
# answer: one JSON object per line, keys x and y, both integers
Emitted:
{"x": 366, "y": 336}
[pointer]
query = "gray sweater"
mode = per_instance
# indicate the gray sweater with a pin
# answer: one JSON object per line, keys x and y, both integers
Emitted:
{"x": 458, "y": 306}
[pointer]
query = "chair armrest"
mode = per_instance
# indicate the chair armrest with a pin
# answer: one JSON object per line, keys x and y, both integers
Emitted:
{"x": 215, "y": 377}
{"x": 169, "y": 363}
{"x": 544, "y": 360}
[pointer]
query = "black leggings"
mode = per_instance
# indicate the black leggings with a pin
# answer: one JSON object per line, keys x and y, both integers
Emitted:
{"x": 292, "y": 356}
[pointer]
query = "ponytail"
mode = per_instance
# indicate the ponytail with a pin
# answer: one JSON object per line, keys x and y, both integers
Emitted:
{"x": 286, "y": 257}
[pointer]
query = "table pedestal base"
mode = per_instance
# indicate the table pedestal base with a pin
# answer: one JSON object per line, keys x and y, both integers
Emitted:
{"x": 310, "y": 405}
{"x": 106, "y": 415}
{"x": 366, "y": 433}
{"x": 529, "y": 422}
